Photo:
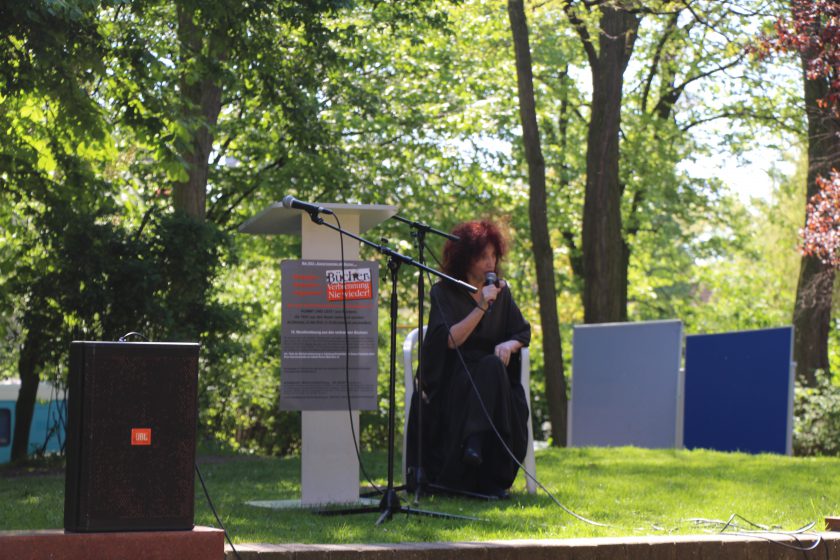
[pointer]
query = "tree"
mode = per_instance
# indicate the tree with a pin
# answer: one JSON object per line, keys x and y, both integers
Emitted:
{"x": 78, "y": 271}
{"x": 813, "y": 31}
{"x": 555, "y": 379}
{"x": 50, "y": 53}
{"x": 229, "y": 106}
{"x": 605, "y": 282}
{"x": 637, "y": 140}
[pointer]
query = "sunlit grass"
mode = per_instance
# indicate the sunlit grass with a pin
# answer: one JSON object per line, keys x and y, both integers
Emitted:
{"x": 634, "y": 491}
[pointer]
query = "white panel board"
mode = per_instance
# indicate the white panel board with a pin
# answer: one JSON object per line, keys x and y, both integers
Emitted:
{"x": 626, "y": 385}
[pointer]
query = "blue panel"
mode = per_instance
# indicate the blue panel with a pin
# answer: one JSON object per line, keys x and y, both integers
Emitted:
{"x": 738, "y": 391}
{"x": 626, "y": 385}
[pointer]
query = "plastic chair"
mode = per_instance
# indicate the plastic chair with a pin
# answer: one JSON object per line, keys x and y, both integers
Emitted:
{"x": 525, "y": 378}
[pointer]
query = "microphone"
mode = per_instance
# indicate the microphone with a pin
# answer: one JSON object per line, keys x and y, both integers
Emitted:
{"x": 291, "y": 202}
{"x": 491, "y": 278}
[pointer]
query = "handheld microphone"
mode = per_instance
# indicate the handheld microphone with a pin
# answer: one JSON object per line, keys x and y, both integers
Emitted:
{"x": 291, "y": 202}
{"x": 490, "y": 278}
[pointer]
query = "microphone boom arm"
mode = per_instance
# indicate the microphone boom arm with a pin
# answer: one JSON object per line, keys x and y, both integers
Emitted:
{"x": 399, "y": 257}
{"x": 424, "y": 227}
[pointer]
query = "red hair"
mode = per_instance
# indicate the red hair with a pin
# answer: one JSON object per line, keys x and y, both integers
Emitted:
{"x": 475, "y": 236}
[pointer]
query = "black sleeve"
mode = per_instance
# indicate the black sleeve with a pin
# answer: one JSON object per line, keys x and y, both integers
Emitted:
{"x": 435, "y": 350}
{"x": 516, "y": 326}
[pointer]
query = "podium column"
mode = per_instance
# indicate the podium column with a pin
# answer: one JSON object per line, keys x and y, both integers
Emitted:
{"x": 329, "y": 469}
{"x": 329, "y": 466}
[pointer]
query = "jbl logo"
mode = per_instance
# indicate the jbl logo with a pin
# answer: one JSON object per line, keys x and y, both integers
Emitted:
{"x": 141, "y": 436}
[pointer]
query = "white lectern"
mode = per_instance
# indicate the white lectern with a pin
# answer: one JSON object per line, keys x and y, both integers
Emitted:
{"x": 329, "y": 466}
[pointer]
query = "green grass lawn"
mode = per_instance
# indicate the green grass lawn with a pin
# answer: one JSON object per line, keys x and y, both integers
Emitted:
{"x": 635, "y": 491}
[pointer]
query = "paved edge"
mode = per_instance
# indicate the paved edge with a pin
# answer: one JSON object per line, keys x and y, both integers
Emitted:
{"x": 763, "y": 546}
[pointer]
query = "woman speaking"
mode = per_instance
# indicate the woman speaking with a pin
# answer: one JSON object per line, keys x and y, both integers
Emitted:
{"x": 470, "y": 359}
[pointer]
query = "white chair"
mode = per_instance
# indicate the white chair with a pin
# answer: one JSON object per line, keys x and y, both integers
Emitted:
{"x": 525, "y": 378}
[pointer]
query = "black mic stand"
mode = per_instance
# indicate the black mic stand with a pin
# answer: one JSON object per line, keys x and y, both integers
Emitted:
{"x": 390, "y": 502}
{"x": 421, "y": 483}
{"x": 419, "y": 233}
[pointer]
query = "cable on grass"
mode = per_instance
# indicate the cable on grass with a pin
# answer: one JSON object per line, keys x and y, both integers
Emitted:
{"x": 216, "y": 515}
{"x": 767, "y": 533}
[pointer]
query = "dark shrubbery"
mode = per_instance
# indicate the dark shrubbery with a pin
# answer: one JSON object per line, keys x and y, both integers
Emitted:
{"x": 816, "y": 412}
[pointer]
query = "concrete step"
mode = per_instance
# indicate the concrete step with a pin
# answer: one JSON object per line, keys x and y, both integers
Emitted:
{"x": 688, "y": 547}
{"x": 202, "y": 543}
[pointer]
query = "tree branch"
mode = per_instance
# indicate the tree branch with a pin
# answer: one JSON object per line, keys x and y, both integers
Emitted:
{"x": 225, "y": 215}
{"x": 743, "y": 114}
{"x": 672, "y": 25}
{"x": 575, "y": 256}
{"x": 582, "y": 32}
{"x": 633, "y": 218}
{"x": 668, "y": 99}
{"x": 712, "y": 26}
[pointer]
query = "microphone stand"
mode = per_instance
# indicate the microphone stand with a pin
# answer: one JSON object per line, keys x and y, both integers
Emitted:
{"x": 419, "y": 475}
{"x": 390, "y": 502}
{"x": 419, "y": 233}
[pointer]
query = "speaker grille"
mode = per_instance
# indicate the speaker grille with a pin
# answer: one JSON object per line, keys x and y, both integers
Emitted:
{"x": 131, "y": 442}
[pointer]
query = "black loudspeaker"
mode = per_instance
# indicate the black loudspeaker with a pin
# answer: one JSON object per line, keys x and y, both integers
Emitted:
{"x": 131, "y": 429}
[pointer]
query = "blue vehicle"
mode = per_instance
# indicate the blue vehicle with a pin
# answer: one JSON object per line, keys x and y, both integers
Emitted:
{"x": 48, "y": 421}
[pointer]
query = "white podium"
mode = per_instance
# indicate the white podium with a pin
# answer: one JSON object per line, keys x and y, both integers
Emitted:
{"x": 329, "y": 470}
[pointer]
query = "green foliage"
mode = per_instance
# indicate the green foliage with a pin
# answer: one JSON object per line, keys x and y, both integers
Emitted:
{"x": 816, "y": 410}
{"x": 50, "y": 50}
{"x": 239, "y": 398}
{"x": 752, "y": 285}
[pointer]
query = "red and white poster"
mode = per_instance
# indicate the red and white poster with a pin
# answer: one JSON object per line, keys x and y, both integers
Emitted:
{"x": 329, "y": 330}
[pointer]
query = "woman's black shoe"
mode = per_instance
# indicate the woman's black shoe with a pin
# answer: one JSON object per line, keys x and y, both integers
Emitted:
{"x": 494, "y": 492}
{"x": 472, "y": 451}
{"x": 471, "y": 457}
{"x": 501, "y": 494}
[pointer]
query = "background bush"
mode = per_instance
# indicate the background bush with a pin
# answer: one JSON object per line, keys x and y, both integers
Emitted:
{"x": 817, "y": 418}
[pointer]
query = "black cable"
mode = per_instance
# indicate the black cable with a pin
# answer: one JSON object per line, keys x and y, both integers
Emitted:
{"x": 356, "y": 445}
{"x": 501, "y": 439}
{"x": 56, "y": 423}
{"x": 730, "y": 523}
{"x": 124, "y": 338}
{"x": 765, "y": 533}
{"x": 62, "y": 442}
{"x": 49, "y": 428}
{"x": 216, "y": 515}
{"x": 765, "y": 537}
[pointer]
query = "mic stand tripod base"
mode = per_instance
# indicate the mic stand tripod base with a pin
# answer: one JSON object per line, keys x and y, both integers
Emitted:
{"x": 421, "y": 486}
{"x": 389, "y": 505}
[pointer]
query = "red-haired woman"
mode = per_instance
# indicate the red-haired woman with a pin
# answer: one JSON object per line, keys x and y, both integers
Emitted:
{"x": 471, "y": 372}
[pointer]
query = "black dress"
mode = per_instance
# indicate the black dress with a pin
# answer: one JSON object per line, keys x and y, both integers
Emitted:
{"x": 451, "y": 410}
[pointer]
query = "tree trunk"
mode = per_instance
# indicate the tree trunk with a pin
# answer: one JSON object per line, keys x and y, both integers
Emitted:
{"x": 812, "y": 310}
{"x": 555, "y": 380}
{"x": 25, "y": 406}
{"x": 202, "y": 98}
{"x": 605, "y": 277}
{"x": 812, "y": 319}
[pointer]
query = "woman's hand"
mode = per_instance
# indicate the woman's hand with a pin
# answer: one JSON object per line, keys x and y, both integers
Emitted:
{"x": 506, "y": 349}
{"x": 489, "y": 293}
